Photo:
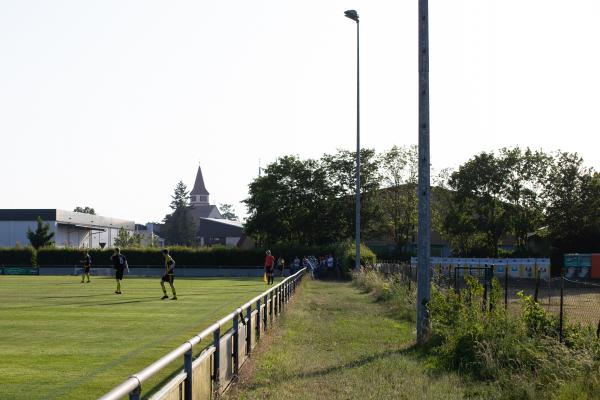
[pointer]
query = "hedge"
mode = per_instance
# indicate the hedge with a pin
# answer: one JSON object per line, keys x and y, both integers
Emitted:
{"x": 17, "y": 256}
{"x": 206, "y": 256}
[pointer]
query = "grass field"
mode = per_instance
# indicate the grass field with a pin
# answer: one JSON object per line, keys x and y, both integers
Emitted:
{"x": 337, "y": 343}
{"x": 60, "y": 339}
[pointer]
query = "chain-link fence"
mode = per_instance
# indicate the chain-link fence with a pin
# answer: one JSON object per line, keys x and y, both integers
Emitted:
{"x": 572, "y": 301}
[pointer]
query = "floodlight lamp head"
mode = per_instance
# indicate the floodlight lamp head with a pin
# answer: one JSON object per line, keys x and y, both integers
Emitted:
{"x": 352, "y": 14}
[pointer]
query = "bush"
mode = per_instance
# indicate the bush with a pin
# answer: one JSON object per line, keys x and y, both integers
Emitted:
{"x": 345, "y": 253}
{"x": 15, "y": 256}
{"x": 519, "y": 354}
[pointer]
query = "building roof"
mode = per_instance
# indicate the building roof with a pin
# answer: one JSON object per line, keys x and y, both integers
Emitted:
{"x": 205, "y": 211}
{"x": 220, "y": 228}
{"x": 28, "y": 214}
{"x": 64, "y": 217}
{"x": 199, "y": 187}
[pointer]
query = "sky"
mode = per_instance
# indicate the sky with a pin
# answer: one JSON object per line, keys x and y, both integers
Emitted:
{"x": 109, "y": 104}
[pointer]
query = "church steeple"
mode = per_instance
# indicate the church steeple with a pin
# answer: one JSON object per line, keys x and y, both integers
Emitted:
{"x": 199, "y": 194}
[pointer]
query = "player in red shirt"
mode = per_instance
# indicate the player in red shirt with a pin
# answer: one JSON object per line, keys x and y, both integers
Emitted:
{"x": 269, "y": 266}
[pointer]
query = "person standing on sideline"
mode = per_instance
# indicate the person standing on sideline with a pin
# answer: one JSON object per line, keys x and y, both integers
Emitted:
{"x": 119, "y": 264}
{"x": 168, "y": 276}
{"x": 281, "y": 265}
{"x": 330, "y": 264}
{"x": 269, "y": 266}
{"x": 87, "y": 264}
{"x": 295, "y": 266}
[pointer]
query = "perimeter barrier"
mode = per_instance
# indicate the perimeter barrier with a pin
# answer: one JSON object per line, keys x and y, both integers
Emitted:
{"x": 219, "y": 362}
{"x": 571, "y": 298}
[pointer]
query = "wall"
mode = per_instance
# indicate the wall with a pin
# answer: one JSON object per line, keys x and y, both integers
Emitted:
{"x": 13, "y": 232}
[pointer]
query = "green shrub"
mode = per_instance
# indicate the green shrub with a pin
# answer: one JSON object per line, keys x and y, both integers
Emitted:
{"x": 17, "y": 256}
{"x": 345, "y": 253}
{"x": 519, "y": 355}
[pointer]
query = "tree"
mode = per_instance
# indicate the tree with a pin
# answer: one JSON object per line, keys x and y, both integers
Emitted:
{"x": 572, "y": 195}
{"x": 228, "y": 212}
{"x": 41, "y": 236}
{"x": 125, "y": 239}
{"x": 179, "y": 227}
{"x": 341, "y": 177}
{"x": 398, "y": 199}
{"x": 312, "y": 201}
{"x": 480, "y": 184}
{"x": 85, "y": 210}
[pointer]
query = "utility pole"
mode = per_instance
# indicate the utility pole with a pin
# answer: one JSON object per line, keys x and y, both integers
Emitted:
{"x": 424, "y": 239}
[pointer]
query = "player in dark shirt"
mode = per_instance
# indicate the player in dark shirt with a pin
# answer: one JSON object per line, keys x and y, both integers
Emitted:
{"x": 119, "y": 264}
{"x": 168, "y": 276}
{"x": 87, "y": 265}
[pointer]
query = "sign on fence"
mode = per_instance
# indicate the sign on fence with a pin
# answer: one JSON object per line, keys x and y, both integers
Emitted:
{"x": 524, "y": 268}
{"x": 582, "y": 266}
{"x": 19, "y": 271}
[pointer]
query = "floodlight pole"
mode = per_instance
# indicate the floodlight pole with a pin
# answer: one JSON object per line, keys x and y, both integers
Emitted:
{"x": 353, "y": 15}
{"x": 424, "y": 239}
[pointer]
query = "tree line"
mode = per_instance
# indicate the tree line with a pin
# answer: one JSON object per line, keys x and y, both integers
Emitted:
{"x": 494, "y": 198}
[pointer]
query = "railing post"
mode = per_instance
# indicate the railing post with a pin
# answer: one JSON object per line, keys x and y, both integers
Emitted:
{"x": 135, "y": 394}
{"x": 236, "y": 343}
{"x": 249, "y": 331}
{"x": 258, "y": 318}
{"x": 266, "y": 313}
{"x": 217, "y": 358}
{"x": 187, "y": 367}
{"x": 271, "y": 306}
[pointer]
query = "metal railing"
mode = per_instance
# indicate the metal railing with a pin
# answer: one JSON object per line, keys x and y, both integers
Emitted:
{"x": 223, "y": 355}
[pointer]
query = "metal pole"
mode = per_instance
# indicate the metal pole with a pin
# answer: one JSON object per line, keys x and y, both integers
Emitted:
{"x": 357, "y": 261}
{"x": 424, "y": 248}
{"x": 217, "y": 359}
{"x": 562, "y": 292}
{"x": 187, "y": 366}
{"x": 506, "y": 287}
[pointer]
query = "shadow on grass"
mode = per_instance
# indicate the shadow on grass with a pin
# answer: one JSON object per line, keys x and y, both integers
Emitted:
{"x": 358, "y": 363}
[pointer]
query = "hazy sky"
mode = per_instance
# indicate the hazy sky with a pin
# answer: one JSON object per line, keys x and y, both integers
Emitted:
{"x": 110, "y": 103}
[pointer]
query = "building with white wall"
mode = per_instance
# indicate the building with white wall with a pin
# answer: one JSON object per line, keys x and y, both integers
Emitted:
{"x": 71, "y": 229}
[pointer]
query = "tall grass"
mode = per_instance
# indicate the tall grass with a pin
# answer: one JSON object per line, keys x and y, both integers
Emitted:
{"x": 519, "y": 354}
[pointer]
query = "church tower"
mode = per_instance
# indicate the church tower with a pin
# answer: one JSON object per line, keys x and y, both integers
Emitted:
{"x": 199, "y": 194}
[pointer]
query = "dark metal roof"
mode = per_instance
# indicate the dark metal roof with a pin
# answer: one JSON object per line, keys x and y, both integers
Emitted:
{"x": 219, "y": 228}
{"x": 28, "y": 214}
{"x": 205, "y": 211}
{"x": 199, "y": 187}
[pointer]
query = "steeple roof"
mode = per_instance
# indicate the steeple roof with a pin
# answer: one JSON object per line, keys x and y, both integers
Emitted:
{"x": 199, "y": 187}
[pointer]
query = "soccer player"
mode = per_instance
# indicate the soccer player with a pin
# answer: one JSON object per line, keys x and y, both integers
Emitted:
{"x": 168, "y": 276}
{"x": 269, "y": 266}
{"x": 119, "y": 264}
{"x": 87, "y": 264}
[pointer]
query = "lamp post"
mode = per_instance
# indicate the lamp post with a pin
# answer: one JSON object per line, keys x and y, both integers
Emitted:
{"x": 353, "y": 15}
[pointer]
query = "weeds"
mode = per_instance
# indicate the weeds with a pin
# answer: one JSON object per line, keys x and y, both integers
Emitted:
{"x": 519, "y": 354}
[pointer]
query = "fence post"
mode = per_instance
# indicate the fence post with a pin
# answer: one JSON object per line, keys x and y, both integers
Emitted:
{"x": 562, "y": 292}
{"x": 258, "y": 317}
{"x": 598, "y": 330}
{"x": 537, "y": 284}
{"x": 135, "y": 394}
{"x": 217, "y": 358}
{"x": 187, "y": 367}
{"x": 485, "y": 287}
{"x": 249, "y": 331}
{"x": 271, "y": 306}
{"x": 456, "y": 280}
{"x": 266, "y": 313}
{"x": 236, "y": 343}
{"x": 505, "y": 287}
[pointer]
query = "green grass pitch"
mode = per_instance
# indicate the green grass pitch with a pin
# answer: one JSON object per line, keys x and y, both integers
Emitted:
{"x": 61, "y": 339}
